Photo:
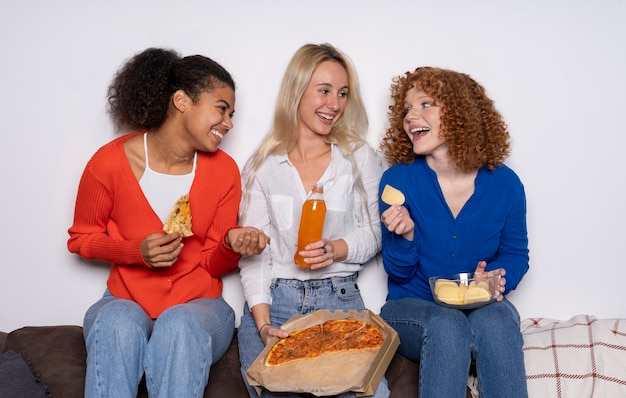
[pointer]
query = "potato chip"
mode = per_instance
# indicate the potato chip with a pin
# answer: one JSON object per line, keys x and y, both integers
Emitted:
{"x": 392, "y": 196}
{"x": 444, "y": 282}
{"x": 476, "y": 295}
{"x": 449, "y": 294}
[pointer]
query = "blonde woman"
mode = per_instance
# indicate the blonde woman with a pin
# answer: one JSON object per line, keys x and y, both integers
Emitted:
{"x": 318, "y": 135}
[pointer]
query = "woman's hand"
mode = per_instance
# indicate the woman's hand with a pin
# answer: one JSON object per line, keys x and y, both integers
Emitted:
{"x": 480, "y": 272}
{"x": 324, "y": 252}
{"x": 261, "y": 314}
{"x": 247, "y": 240}
{"x": 268, "y": 331}
{"x": 161, "y": 250}
{"x": 397, "y": 220}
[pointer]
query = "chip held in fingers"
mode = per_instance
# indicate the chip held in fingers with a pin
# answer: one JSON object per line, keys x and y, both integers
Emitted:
{"x": 392, "y": 196}
{"x": 179, "y": 218}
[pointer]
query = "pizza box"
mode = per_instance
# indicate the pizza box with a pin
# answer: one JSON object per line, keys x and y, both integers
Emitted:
{"x": 330, "y": 374}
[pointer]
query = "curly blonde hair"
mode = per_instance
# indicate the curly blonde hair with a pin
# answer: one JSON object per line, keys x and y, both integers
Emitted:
{"x": 474, "y": 130}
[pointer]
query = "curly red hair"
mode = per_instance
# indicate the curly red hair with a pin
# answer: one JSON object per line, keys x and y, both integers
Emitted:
{"x": 474, "y": 130}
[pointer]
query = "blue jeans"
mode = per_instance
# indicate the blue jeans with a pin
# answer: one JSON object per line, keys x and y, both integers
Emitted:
{"x": 444, "y": 341}
{"x": 290, "y": 297}
{"x": 175, "y": 351}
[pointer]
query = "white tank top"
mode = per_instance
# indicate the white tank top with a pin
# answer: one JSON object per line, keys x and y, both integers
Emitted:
{"x": 163, "y": 190}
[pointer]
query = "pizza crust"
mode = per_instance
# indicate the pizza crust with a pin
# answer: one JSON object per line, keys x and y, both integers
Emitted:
{"x": 179, "y": 218}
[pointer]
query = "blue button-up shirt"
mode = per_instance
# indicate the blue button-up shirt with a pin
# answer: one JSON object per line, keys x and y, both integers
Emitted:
{"x": 491, "y": 226}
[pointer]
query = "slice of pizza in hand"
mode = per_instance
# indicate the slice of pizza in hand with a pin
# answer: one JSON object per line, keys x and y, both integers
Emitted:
{"x": 392, "y": 196}
{"x": 179, "y": 219}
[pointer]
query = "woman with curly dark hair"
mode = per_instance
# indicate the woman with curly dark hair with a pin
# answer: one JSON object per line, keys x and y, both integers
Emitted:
{"x": 463, "y": 211}
{"x": 162, "y": 315}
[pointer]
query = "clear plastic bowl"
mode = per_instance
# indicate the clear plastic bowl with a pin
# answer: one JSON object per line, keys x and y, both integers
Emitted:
{"x": 463, "y": 291}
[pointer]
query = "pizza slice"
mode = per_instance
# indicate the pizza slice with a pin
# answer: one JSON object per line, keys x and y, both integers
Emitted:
{"x": 366, "y": 337}
{"x": 179, "y": 219}
{"x": 301, "y": 344}
{"x": 338, "y": 330}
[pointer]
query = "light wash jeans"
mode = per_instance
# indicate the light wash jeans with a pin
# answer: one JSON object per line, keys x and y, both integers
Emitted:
{"x": 444, "y": 340}
{"x": 290, "y": 297}
{"x": 175, "y": 351}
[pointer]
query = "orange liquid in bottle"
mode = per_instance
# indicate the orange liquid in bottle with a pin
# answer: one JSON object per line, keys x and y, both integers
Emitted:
{"x": 311, "y": 223}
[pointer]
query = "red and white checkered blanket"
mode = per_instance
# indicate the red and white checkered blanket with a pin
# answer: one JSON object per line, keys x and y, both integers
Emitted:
{"x": 583, "y": 357}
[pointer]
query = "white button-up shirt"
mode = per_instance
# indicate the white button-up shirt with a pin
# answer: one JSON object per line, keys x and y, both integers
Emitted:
{"x": 274, "y": 205}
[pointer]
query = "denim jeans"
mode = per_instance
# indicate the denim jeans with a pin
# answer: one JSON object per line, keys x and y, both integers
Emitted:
{"x": 175, "y": 351}
{"x": 290, "y": 297}
{"x": 444, "y": 340}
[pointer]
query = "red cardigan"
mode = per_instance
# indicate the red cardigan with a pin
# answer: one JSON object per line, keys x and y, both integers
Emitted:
{"x": 112, "y": 217}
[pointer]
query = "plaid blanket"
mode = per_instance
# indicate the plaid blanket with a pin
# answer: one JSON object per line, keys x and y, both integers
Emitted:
{"x": 583, "y": 357}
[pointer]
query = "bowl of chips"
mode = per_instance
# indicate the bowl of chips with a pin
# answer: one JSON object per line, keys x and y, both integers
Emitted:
{"x": 465, "y": 291}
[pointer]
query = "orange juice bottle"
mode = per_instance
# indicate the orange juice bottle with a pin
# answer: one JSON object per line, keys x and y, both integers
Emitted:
{"x": 311, "y": 222}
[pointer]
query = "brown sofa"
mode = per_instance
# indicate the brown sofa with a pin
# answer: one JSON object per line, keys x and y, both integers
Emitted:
{"x": 57, "y": 354}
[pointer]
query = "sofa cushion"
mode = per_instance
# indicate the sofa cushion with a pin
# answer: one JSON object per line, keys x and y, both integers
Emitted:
{"x": 402, "y": 376}
{"x": 57, "y": 354}
{"x": 18, "y": 379}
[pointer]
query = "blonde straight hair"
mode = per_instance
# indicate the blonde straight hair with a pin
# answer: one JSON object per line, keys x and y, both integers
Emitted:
{"x": 348, "y": 132}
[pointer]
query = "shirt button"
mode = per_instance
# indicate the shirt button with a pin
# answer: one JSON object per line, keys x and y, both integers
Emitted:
{"x": 451, "y": 254}
{"x": 453, "y": 236}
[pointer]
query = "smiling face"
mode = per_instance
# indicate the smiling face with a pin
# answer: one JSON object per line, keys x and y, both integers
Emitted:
{"x": 209, "y": 119}
{"x": 422, "y": 123}
{"x": 324, "y": 99}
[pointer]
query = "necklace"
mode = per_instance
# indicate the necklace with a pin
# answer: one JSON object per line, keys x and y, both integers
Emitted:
{"x": 167, "y": 148}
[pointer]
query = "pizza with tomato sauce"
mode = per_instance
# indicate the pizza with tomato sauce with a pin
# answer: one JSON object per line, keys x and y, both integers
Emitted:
{"x": 338, "y": 335}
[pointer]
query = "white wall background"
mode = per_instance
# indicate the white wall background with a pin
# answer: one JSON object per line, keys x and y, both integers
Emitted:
{"x": 555, "y": 68}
